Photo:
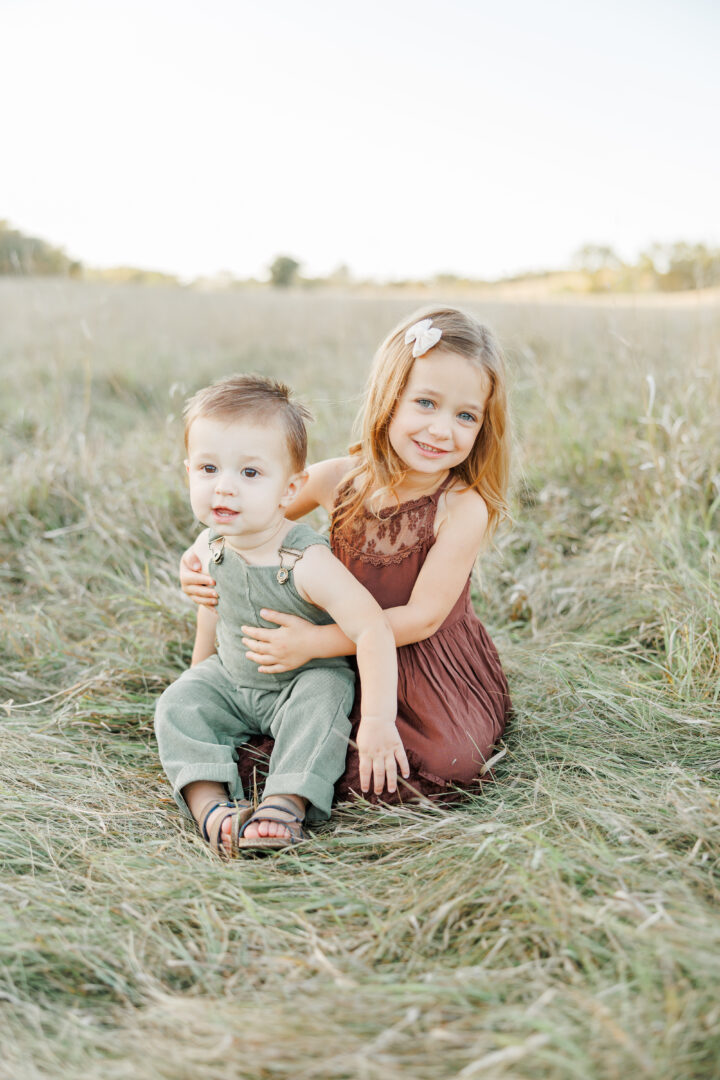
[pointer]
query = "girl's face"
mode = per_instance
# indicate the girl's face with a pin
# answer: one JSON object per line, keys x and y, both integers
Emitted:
{"x": 439, "y": 413}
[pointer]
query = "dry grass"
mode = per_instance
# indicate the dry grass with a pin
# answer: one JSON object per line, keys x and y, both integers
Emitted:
{"x": 563, "y": 923}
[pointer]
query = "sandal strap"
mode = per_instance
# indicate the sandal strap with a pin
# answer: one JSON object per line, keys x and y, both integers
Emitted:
{"x": 205, "y": 815}
{"x": 287, "y": 805}
{"x": 296, "y": 834}
{"x": 236, "y": 812}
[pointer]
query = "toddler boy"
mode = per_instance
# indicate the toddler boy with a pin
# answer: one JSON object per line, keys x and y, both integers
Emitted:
{"x": 246, "y": 445}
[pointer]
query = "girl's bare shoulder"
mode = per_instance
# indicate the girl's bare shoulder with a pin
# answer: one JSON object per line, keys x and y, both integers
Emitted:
{"x": 462, "y": 506}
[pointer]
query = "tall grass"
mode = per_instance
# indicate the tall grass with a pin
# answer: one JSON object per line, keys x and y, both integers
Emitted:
{"x": 560, "y": 922}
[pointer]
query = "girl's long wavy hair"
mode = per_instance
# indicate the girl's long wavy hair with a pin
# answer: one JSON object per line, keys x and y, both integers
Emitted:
{"x": 378, "y": 469}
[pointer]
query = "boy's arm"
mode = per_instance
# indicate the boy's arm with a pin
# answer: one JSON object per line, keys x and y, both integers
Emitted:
{"x": 204, "y": 635}
{"x": 327, "y": 583}
{"x": 206, "y": 622}
{"x": 194, "y": 575}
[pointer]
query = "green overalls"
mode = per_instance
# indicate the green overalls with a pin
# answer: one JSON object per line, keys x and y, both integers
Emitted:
{"x": 215, "y": 706}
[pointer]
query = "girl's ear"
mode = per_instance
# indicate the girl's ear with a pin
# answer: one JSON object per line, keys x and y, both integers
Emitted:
{"x": 295, "y": 485}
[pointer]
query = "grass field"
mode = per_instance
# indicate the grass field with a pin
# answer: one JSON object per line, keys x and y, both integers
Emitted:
{"x": 562, "y": 922}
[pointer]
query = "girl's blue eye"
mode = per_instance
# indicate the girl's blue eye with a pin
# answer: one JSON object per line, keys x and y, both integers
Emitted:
{"x": 425, "y": 403}
{"x": 250, "y": 473}
{"x": 468, "y": 417}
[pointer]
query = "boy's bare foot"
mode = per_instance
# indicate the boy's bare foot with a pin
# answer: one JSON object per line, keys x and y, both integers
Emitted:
{"x": 272, "y": 825}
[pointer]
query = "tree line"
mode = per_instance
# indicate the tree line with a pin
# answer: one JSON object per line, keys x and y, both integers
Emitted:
{"x": 667, "y": 267}
{"x": 22, "y": 254}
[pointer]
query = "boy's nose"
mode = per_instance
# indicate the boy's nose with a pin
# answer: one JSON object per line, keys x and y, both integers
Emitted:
{"x": 224, "y": 485}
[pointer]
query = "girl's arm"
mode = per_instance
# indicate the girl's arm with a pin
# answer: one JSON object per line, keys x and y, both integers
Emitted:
{"x": 439, "y": 584}
{"x": 318, "y": 490}
{"x": 320, "y": 487}
{"x": 324, "y": 581}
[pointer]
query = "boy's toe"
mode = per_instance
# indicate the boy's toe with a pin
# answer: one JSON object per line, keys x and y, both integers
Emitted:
{"x": 276, "y": 828}
{"x": 266, "y": 829}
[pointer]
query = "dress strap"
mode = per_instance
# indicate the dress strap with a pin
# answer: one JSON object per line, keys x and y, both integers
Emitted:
{"x": 443, "y": 487}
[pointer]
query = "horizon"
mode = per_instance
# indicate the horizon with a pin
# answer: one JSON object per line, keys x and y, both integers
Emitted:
{"x": 342, "y": 276}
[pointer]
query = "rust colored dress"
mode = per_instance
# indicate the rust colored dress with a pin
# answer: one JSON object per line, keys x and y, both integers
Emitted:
{"x": 453, "y": 696}
{"x": 453, "y": 699}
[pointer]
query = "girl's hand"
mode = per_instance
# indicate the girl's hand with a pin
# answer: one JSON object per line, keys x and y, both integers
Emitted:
{"x": 200, "y": 587}
{"x": 284, "y": 649}
{"x": 381, "y": 751}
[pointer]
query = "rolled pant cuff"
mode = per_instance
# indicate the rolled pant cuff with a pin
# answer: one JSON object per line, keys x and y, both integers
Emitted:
{"x": 310, "y": 786}
{"x": 214, "y": 772}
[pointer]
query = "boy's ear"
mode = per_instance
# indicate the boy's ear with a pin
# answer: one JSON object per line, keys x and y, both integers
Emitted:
{"x": 295, "y": 484}
{"x": 187, "y": 465}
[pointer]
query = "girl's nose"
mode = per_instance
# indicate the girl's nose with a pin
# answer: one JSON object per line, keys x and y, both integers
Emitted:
{"x": 439, "y": 426}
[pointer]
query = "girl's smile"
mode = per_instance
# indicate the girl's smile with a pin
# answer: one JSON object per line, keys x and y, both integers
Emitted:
{"x": 439, "y": 413}
{"x": 431, "y": 451}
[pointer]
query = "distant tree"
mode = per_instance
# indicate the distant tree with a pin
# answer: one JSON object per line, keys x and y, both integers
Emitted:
{"x": 679, "y": 266}
{"x": 692, "y": 266}
{"x": 600, "y": 265}
{"x": 284, "y": 270}
{"x": 21, "y": 254}
{"x": 594, "y": 258}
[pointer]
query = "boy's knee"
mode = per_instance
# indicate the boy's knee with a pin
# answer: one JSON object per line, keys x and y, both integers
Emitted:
{"x": 171, "y": 701}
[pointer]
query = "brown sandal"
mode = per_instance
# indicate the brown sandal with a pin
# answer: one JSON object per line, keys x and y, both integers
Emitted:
{"x": 239, "y": 811}
{"x": 272, "y": 810}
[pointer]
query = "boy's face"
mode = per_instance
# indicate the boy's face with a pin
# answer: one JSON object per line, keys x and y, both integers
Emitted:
{"x": 240, "y": 474}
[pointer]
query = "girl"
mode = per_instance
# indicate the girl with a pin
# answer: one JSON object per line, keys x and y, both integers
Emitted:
{"x": 410, "y": 509}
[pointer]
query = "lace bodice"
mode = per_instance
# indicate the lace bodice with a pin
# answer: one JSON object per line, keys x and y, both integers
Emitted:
{"x": 393, "y": 535}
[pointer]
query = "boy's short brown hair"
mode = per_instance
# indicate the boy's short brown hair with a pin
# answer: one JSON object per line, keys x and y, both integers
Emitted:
{"x": 258, "y": 398}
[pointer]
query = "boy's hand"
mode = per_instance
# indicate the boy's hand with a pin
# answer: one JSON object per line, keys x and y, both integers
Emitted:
{"x": 381, "y": 751}
{"x": 200, "y": 587}
{"x": 284, "y": 649}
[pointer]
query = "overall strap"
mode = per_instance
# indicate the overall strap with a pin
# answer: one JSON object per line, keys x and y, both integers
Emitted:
{"x": 293, "y": 557}
{"x": 216, "y": 544}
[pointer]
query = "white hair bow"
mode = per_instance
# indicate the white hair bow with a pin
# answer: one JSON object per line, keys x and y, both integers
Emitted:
{"x": 424, "y": 334}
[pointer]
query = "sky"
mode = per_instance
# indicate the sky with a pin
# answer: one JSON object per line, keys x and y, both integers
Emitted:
{"x": 402, "y": 139}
